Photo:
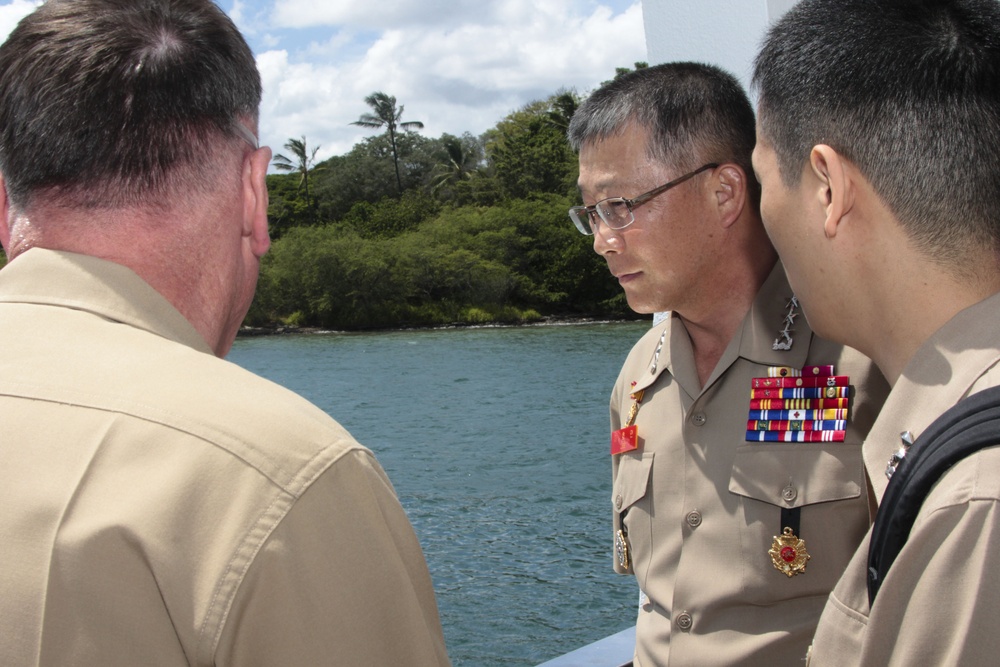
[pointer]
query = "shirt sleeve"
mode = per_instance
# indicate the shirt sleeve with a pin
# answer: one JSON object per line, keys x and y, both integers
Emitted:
{"x": 941, "y": 598}
{"x": 341, "y": 581}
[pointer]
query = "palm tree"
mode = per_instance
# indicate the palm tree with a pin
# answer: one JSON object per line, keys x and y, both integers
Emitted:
{"x": 302, "y": 164}
{"x": 459, "y": 162}
{"x": 387, "y": 114}
{"x": 562, "y": 107}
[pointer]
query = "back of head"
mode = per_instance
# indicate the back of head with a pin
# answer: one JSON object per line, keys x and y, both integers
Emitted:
{"x": 695, "y": 113}
{"x": 108, "y": 103}
{"x": 909, "y": 92}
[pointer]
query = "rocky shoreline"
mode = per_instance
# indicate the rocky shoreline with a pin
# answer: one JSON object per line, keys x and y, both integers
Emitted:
{"x": 278, "y": 330}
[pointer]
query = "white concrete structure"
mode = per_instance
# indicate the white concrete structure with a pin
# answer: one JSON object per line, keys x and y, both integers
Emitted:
{"x": 726, "y": 33}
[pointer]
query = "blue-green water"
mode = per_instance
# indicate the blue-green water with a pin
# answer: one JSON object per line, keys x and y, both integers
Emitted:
{"x": 496, "y": 440}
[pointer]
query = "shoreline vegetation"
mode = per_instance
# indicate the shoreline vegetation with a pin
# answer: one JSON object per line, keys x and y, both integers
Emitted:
{"x": 281, "y": 330}
{"x": 409, "y": 232}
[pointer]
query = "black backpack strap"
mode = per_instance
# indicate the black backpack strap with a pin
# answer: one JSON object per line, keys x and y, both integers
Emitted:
{"x": 970, "y": 425}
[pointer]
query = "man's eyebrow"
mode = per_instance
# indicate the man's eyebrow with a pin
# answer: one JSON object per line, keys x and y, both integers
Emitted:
{"x": 600, "y": 185}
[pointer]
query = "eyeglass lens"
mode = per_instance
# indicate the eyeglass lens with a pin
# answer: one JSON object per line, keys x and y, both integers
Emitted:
{"x": 614, "y": 212}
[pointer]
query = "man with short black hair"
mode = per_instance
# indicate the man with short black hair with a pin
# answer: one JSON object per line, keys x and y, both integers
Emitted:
{"x": 735, "y": 512}
{"x": 160, "y": 505}
{"x": 879, "y": 126}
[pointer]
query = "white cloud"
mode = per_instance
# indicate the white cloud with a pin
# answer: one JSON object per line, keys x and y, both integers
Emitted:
{"x": 454, "y": 76}
{"x": 12, "y": 12}
{"x": 456, "y": 65}
{"x": 382, "y": 14}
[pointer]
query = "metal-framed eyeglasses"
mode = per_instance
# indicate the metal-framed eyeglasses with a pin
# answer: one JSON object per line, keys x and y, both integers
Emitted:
{"x": 616, "y": 212}
{"x": 246, "y": 135}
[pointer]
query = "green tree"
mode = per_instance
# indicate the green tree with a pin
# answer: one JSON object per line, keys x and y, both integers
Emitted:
{"x": 366, "y": 174}
{"x": 390, "y": 216}
{"x": 386, "y": 114}
{"x": 562, "y": 106}
{"x": 460, "y": 159}
{"x": 622, "y": 71}
{"x": 301, "y": 165}
{"x": 530, "y": 155}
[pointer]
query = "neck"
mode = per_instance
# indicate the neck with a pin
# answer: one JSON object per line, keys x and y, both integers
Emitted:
{"x": 712, "y": 329}
{"x": 918, "y": 306}
{"x": 149, "y": 245}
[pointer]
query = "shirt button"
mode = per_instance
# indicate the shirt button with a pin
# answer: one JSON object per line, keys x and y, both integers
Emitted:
{"x": 684, "y": 621}
{"x": 699, "y": 419}
{"x": 693, "y": 518}
{"x": 618, "y": 501}
{"x": 789, "y": 493}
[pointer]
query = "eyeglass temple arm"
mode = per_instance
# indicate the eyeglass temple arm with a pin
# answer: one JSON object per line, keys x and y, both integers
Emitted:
{"x": 666, "y": 186}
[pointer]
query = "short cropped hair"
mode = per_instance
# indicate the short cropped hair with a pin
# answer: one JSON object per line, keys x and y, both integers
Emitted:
{"x": 909, "y": 92}
{"x": 695, "y": 113}
{"x": 103, "y": 101}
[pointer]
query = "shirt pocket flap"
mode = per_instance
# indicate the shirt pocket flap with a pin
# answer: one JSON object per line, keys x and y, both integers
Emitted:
{"x": 632, "y": 479}
{"x": 797, "y": 475}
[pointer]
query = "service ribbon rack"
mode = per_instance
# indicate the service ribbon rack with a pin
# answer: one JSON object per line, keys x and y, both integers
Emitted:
{"x": 792, "y": 405}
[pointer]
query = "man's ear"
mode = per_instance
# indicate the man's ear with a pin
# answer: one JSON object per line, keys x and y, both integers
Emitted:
{"x": 731, "y": 193}
{"x": 834, "y": 189}
{"x": 255, "y": 200}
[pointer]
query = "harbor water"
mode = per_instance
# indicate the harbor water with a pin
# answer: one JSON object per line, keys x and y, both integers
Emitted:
{"x": 496, "y": 440}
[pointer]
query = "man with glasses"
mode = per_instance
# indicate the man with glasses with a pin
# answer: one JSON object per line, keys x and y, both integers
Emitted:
{"x": 877, "y": 151}
{"x": 161, "y": 506}
{"x": 738, "y": 491}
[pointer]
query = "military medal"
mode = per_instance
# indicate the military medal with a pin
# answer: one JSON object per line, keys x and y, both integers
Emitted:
{"x": 796, "y": 405}
{"x": 626, "y": 439}
{"x": 788, "y": 553}
{"x": 621, "y": 549}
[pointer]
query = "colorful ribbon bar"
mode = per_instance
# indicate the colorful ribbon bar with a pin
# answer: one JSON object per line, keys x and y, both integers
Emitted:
{"x": 802, "y": 392}
{"x": 770, "y": 415}
{"x": 792, "y": 405}
{"x": 788, "y": 371}
{"x": 796, "y": 436}
{"x": 799, "y": 425}
{"x": 829, "y": 381}
{"x": 798, "y": 403}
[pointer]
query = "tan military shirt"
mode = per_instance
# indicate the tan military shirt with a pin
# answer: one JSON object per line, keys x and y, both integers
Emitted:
{"x": 702, "y": 506}
{"x": 940, "y": 602}
{"x": 161, "y": 506}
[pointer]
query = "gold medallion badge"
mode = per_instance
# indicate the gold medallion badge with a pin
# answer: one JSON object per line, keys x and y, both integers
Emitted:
{"x": 621, "y": 550}
{"x": 788, "y": 553}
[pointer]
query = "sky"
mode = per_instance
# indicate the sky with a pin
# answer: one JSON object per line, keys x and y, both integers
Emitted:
{"x": 455, "y": 65}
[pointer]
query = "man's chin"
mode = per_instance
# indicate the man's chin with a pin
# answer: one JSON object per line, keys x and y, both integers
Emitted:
{"x": 641, "y": 306}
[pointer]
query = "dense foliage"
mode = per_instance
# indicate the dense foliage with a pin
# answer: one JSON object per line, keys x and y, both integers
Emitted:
{"x": 468, "y": 230}
{"x": 406, "y": 230}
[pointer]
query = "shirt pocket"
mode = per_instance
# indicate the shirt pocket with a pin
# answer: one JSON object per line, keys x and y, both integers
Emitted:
{"x": 826, "y": 482}
{"x": 629, "y": 499}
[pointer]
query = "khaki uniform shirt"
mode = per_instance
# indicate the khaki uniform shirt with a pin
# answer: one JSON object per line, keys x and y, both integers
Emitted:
{"x": 162, "y": 506}
{"x": 702, "y": 506}
{"x": 940, "y": 601}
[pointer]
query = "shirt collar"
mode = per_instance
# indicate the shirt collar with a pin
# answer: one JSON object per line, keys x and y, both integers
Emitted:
{"x": 112, "y": 291}
{"x": 754, "y": 339}
{"x": 946, "y": 368}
